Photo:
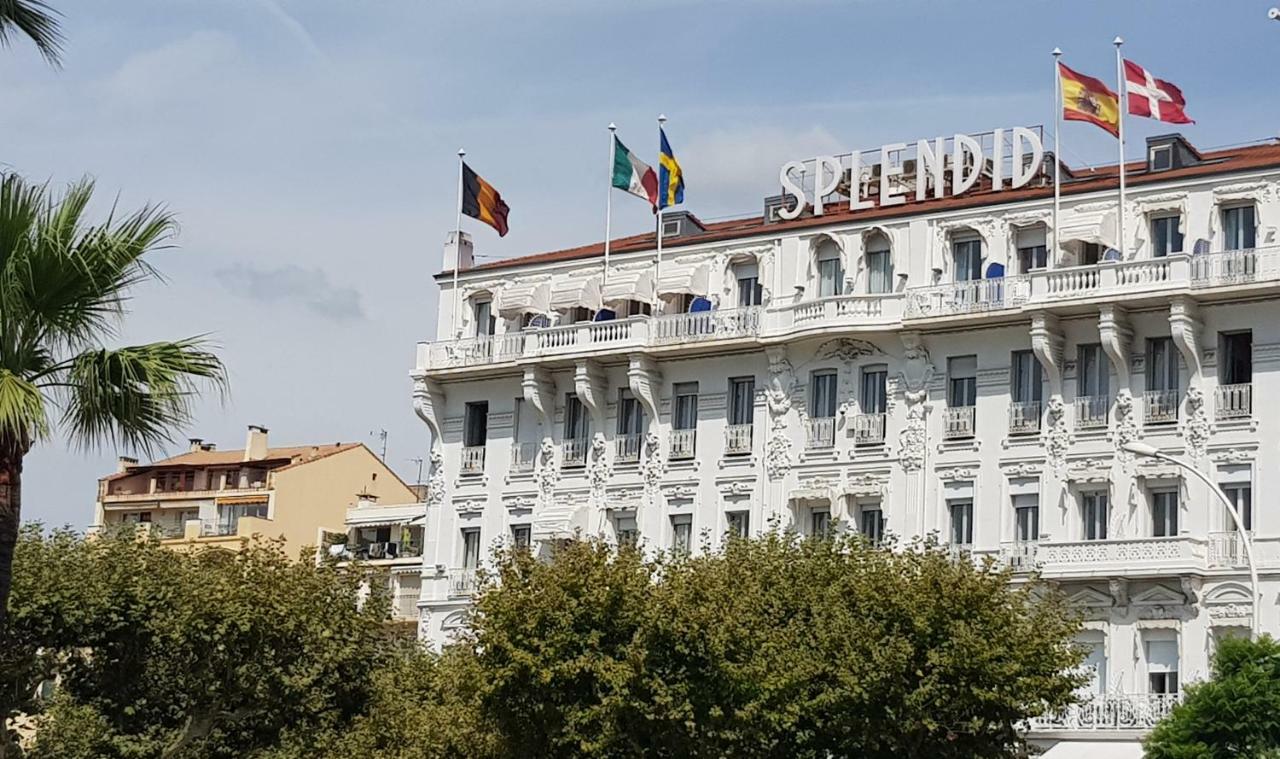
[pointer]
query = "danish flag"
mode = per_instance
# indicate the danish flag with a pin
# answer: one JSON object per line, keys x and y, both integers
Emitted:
{"x": 1153, "y": 98}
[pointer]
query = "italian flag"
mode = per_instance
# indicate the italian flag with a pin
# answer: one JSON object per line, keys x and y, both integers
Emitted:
{"x": 633, "y": 175}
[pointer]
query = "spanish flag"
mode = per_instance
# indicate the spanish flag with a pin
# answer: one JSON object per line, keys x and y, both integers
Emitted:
{"x": 670, "y": 176}
{"x": 1087, "y": 99}
{"x": 481, "y": 201}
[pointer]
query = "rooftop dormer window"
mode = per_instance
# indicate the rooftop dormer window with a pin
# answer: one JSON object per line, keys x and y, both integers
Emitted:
{"x": 1160, "y": 157}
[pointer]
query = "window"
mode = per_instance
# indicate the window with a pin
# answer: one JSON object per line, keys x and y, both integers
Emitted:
{"x": 1241, "y": 496}
{"x": 1091, "y": 254}
{"x": 871, "y": 524}
{"x": 173, "y": 482}
{"x": 470, "y": 548}
{"x": 229, "y": 515}
{"x": 879, "y": 262}
{"x": 1095, "y": 666}
{"x": 962, "y": 381}
{"x": 1239, "y": 228}
{"x": 961, "y": 521}
{"x": 1026, "y": 518}
{"x": 475, "y": 424}
{"x": 625, "y": 529}
{"x": 966, "y": 256}
{"x": 1162, "y": 665}
{"x": 1092, "y": 372}
{"x": 136, "y": 517}
{"x": 630, "y": 415}
{"x": 485, "y": 321}
{"x": 830, "y": 270}
{"x": 742, "y": 392}
{"x": 575, "y": 418}
{"x": 638, "y": 308}
{"x": 681, "y": 533}
{"x": 1164, "y": 513}
{"x": 1093, "y": 513}
{"x": 684, "y": 410}
{"x": 580, "y": 314}
{"x": 1235, "y": 358}
{"x": 1032, "y": 250}
{"x": 819, "y": 523}
{"x": 1162, "y": 364}
{"x": 1027, "y": 378}
{"x": 750, "y": 291}
{"x": 1161, "y": 158}
{"x": 874, "y": 389}
{"x": 738, "y": 523}
{"x": 521, "y": 536}
{"x": 1165, "y": 237}
{"x": 822, "y": 394}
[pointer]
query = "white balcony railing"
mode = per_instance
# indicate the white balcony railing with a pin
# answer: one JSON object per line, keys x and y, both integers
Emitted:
{"x": 473, "y": 459}
{"x": 1160, "y": 406}
{"x": 737, "y": 438}
{"x": 705, "y": 325}
{"x": 1226, "y": 550}
{"x": 969, "y": 297}
{"x": 462, "y": 582}
{"x": 1112, "y": 711}
{"x": 1092, "y": 411}
{"x": 574, "y": 452}
{"x": 1234, "y": 401}
{"x": 1234, "y": 267}
{"x": 1160, "y": 555}
{"x": 683, "y": 443}
{"x": 820, "y": 432}
{"x": 1024, "y": 417}
{"x": 958, "y": 422}
{"x": 523, "y": 456}
{"x": 868, "y": 429}
{"x": 626, "y": 448}
{"x": 1020, "y": 555}
{"x": 840, "y": 309}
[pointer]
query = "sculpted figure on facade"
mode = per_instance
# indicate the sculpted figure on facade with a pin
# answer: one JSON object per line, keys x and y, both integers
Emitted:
{"x": 547, "y": 471}
{"x": 1057, "y": 436}
{"x": 436, "y": 478}
{"x": 599, "y": 471}
{"x": 1126, "y": 427}
{"x": 652, "y": 466}
{"x": 1197, "y": 428}
{"x": 914, "y": 436}
{"x": 782, "y": 383}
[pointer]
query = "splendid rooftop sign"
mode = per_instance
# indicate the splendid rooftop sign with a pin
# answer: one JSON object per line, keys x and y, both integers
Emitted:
{"x": 895, "y": 175}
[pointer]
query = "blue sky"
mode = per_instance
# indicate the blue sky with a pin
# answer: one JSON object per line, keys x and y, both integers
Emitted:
{"x": 308, "y": 147}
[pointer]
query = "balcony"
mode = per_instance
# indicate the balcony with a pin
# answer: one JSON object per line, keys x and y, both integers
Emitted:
{"x": 674, "y": 329}
{"x": 1020, "y": 555}
{"x": 868, "y": 429}
{"x": 683, "y": 443}
{"x": 523, "y": 457}
{"x": 819, "y": 432}
{"x": 387, "y": 550}
{"x": 574, "y": 452}
{"x": 1112, "y": 711}
{"x": 121, "y": 497}
{"x": 1226, "y": 550}
{"x": 462, "y": 583}
{"x": 1137, "y": 556}
{"x": 1233, "y": 402}
{"x": 737, "y": 439}
{"x": 1091, "y": 411}
{"x": 472, "y": 459}
{"x": 1024, "y": 417}
{"x": 626, "y": 448}
{"x": 841, "y": 310}
{"x": 970, "y": 297}
{"x": 1111, "y": 278}
{"x": 1235, "y": 267}
{"x": 958, "y": 422}
{"x": 1160, "y": 406}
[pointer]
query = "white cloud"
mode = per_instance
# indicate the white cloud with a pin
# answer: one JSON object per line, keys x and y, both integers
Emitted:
{"x": 310, "y": 288}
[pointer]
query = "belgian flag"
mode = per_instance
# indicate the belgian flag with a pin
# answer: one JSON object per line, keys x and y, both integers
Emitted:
{"x": 481, "y": 201}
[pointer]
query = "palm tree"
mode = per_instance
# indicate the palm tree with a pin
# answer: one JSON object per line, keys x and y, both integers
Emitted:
{"x": 64, "y": 284}
{"x": 37, "y": 21}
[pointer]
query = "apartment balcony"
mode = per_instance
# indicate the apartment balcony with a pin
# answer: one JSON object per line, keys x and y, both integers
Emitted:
{"x": 573, "y": 452}
{"x": 726, "y": 324}
{"x": 472, "y": 459}
{"x": 523, "y": 457}
{"x": 868, "y": 429}
{"x": 738, "y": 438}
{"x": 969, "y": 297}
{"x": 626, "y": 448}
{"x": 1092, "y": 411}
{"x": 840, "y": 311}
{"x": 958, "y": 422}
{"x": 1024, "y": 417}
{"x": 1233, "y": 402}
{"x": 1161, "y": 406}
{"x": 819, "y": 432}
{"x": 1019, "y": 555}
{"x": 387, "y": 550}
{"x": 683, "y": 444}
{"x": 1132, "y": 556}
{"x": 463, "y": 583}
{"x": 1235, "y": 267}
{"x": 1111, "y": 711}
{"x": 1226, "y": 550}
{"x": 123, "y": 498}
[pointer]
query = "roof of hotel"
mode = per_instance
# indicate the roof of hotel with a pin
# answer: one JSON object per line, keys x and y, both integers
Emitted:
{"x": 1224, "y": 161}
{"x": 275, "y": 458}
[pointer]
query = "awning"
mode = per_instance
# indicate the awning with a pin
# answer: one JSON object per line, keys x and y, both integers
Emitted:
{"x": 514, "y": 301}
{"x": 628, "y": 285}
{"x": 576, "y": 292}
{"x": 237, "y": 500}
{"x": 683, "y": 279}
{"x": 1096, "y": 227}
{"x": 1094, "y": 750}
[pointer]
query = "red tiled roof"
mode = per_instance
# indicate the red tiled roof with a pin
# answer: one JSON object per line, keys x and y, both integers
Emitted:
{"x": 1223, "y": 161}
{"x": 276, "y": 458}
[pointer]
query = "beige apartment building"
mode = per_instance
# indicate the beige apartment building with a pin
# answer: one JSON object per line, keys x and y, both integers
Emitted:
{"x": 211, "y": 497}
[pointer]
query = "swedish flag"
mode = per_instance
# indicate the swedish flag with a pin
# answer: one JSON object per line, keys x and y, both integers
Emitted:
{"x": 670, "y": 177}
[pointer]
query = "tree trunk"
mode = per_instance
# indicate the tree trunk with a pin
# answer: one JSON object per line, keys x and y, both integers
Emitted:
{"x": 10, "y": 516}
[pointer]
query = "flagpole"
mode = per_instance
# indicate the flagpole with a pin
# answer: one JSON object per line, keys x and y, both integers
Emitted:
{"x": 608, "y": 205}
{"x": 1123, "y": 97}
{"x": 657, "y": 267}
{"x": 1057, "y": 154}
{"x": 457, "y": 250}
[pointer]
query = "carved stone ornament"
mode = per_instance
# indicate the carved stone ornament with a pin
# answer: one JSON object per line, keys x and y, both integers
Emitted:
{"x": 1234, "y": 456}
{"x": 914, "y": 435}
{"x": 1126, "y": 427}
{"x": 436, "y": 481}
{"x": 1232, "y": 612}
{"x": 956, "y": 474}
{"x": 777, "y": 460}
{"x": 1093, "y": 471}
{"x": 917, "y": 366}
{"x": 547, "y": 472}
{"x": 1197, "y": 429}
{"x": 599, "y": 471}
{"x": 737, "y": 488}
{"x": 1057, "y": 434}
{"x": 652, "y": 466}
{"x": 424, "y": 624}
{"x": 847, "y": 349}
{"x": 1023, "y": 469}
{"x": 866, "y": 484}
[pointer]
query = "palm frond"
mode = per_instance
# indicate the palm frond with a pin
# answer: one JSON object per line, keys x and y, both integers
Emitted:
{"x": 135, "y": 397}
{"x": 23, "y": 415}
{"x": 36, "y": 20}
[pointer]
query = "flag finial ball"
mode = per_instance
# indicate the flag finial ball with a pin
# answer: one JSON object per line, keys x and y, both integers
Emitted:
{"x": 662, "y": 118}
{"x": 461, "y": 152}
{"x": 1118, "y": 41}
{"x": 1057, "y": 52}
{"x": 613, "y": 127}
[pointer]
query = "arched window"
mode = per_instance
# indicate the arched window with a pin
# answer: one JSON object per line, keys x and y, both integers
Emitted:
{"x": 966, "y": 255}
{"x": 830, "y": 269}
{"x": 1030, "y": 242}
{"x": 482, "y": 314}
{"x": 746, "y": 276}
{"x": 879, "y": 262}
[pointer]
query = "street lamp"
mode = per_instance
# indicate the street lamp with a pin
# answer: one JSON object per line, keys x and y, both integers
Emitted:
{"x": 1143, "y": 449}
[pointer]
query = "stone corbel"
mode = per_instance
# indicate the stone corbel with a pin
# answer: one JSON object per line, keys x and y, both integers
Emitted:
{"x": 1116, "y": 336}
{"x": 644, "y": 378}
{"x": 1119, "y": 588}
{"x": 590, "y": 385}
{"x": 1046, "y": 343}
{"x": 1186, "y": 327}
{"x": 428, "y": 403}
{"x": 540, "y": 392}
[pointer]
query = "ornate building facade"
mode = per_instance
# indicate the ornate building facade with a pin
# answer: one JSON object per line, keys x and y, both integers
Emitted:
{"x": 947, "y": 365}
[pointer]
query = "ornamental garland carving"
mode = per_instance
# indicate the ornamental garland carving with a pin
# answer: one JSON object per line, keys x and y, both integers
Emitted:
{"x": 436, "y": 480}
{"x": 1126, "y": 428}
{"x": 1231, "y": 612}
{"x": 547, "y": 472}
{"x": 1233, "y": 456}
{"x": 1057, "y": 435}
{"x": 599, "y": 471}
{"x": 777, "y": 460}
{"x": 424, "y": 624}
{"x": 914, "y": 436}
{"x": 652, "y": 466}
{"x": 1197, "y": 428}
{"x": 1089, "y": 470}
{"x": 1023, "y": 469}
{"x": 956, "y": 474}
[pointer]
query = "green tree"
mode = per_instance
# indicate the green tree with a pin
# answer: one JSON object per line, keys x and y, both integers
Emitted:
{"x": 1235, "y": 714}
{"x": 37, "y": 21}
{"x": 64, "y": 284}
{"x": 777, "y": 647}
{"x": 166, "y": 654}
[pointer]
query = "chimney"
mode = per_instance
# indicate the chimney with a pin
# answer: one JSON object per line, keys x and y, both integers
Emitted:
{"x": 365, "y": 500}
{"x": 460, "y": 255}
{"x": 255, "y": 444}
{"x": 124, "y": 462}
{"x": 195, "y": 444}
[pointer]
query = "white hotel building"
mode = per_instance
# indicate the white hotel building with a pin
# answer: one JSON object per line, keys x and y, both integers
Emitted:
{"x": 919, "y": 368}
